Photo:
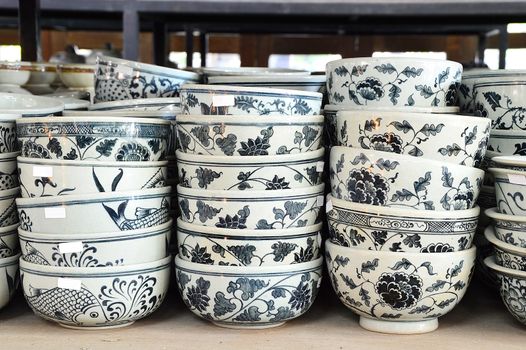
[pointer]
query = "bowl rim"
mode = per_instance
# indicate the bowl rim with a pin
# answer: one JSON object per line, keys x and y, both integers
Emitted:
{"x": 9, "y": 193}
{"x": 506, "y": 80}
{"x": 200, "y": 119}
{"x": 10, "y": 260}
{"x": 9, "y": 117}
{"x": 413, "y": 61}
{"x": 9, "y": 155}
{"x": 247, "y": 70}
{"x": 44, "y": 105}
{"x": 502, "y": 172}
{"x": 269, "y": 78}
{"x": 404, "y": 109}
{"x": 210, "y": 90}
{"x": 91, "y": 119}
{"x": 78, "y": 68}
{"x": 494, "y": 214}
{"x": 489, "y": 233}
{"x": 135, "y": 102}
{"x": 89, "y": 163}
{"x": 506, "y": 133}
{"x": 513, "y": 160}
{"x": 491, "y": 73}
{"x": 490, "y": 262}
{"x": 221, "y": 195}
{"x": 9, "y": 229}
{"x": 163, "y": 114}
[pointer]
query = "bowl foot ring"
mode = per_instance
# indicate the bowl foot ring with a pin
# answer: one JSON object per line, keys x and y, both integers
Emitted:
{"x": 248, "y": 326}
{"x": 96, "y": 328}
{"x": 399, "y": 327}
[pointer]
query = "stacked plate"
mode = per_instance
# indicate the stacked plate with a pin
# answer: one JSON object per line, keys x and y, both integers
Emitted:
{"x": 250, "y": 167}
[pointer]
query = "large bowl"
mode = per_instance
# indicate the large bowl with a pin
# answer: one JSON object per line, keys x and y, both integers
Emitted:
{"x": 76, "y": 75}
{"x": 238, "y": 100}
{"x": 8, "y": 213}
{"x": 172, "y": 104}
{"x": 251, "y": 209}
{"x": 506, "y": 255}
{"x": 9, "y": 279}
{"x": 14, "y": 73}
{"x": 89, "y": 138}
{"x": 397, "y": 180}
{"x": 106, "y": 297}
{"x": 246, "y": 136}
{"x": 510, "y": 229}
{"x": 29, "y": 105}
{"x": 118, "y": 79}
{"x": 42, "y": 74}
{"x": 510, "y": 186}
{"x": 447, "y": 138}
{"x": 50, "y": 177}
{"x": 400, "y": 230}
{"x": 402, "y": 293}
{"x": 315, "y": 83}
{"x": 8, "y": 171}
{"x": 248, "y": 297}
{"x": 508, "y": 142}
{"x": 220, "y": 246}
{"x": 94, "y": 213}
{"x": 393, "y": 81}
{"x": 281, "y": 172}
{"x": 9, "y": 244}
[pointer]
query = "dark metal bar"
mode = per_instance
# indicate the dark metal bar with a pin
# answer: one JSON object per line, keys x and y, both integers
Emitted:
{"x": 482, "y": 44}
{"x": 29, "y": 29}
{"x": 189, "y": 47}
{"x": 203, "y": 47}
{"x": 160, "y": 43}
{"x": 503, "y": 46}
{"x": 130, "y": 35}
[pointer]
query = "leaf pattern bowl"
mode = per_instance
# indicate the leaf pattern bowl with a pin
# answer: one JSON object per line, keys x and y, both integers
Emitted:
{"x": 507, "y": 255}
{"x": 117, "y": 79}
{"x": 29, "y": 105}
{"x": 88, "y": 138}
{"x": 245, "y": 136}
{"x": 9, "y": 279}
{"x": 510, "y": 229}
{"x": 248, "y": 297}
{"x": 507, "y": 142}
{"x": 510, "y": 186}
{"x": 398, "y": 180}
{"x": 260, "y": 210}
{"x": 447, "y": 138}
{"x": 9, "y": 244}
{"x": 393, "y": 81}
{"x": 8, "y": 171}
{"x": 114, "y": 211}
{"x": 221, "y": 246}
{"x": 249, "y": 173}
{"x": 401, "y": 293}
{"x": 239, "y": 100}
{"x": 314, "y": 83}
{"x": 365, "y": 226}
{"x": 100, "y": 298}
{"x": 167, "y": 104}
{"x": 51, "y": 177}
{"x": 8, "y": 214}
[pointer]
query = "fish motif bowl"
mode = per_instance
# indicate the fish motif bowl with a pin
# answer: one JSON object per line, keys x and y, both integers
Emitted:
{"x": 507, "y": 255}
{"x": 76, "y": 75}
{"x": 14, "y": 73}
{"x": 95, "y": 298}
{"x": 29, "y": 105}
{"x": 8, "y": 213}
{"x": 400, "y": 293}
{"x": 510, "y": 229}
{"x": 95, "y": 213}
{"x": 9, "y": 279}
{"x": 510, "y": 186}
{"x": 248, "y": 297}
{"x": 9, "y": 244}
{"x": 314, "y": 83}
{"x": 168, "y": 104}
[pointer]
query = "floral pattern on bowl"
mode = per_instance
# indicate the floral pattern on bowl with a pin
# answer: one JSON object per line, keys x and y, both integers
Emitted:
{"x": 507, "y": 255}
{"x": 8, "y": 140}
{"x": 8, "y": 171}
{"x": 509, "y": 193}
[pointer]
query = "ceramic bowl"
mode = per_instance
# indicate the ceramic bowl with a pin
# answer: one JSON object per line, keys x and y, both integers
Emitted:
{"x": 49, "y": 177}
{"x": 243, "y": 136}
{"x": 248, "y": 297}
{"x": 220, "y": 246}
{"x": 251, "y": 71}
{"x": 251, "y": 210}
{"x": 9, "y": 244}
{"x": 106, "y": 297}
{"x": 118, "y": 79}
{"x": 172, "y": 104}
{"x": 8, "y": 213}
{"x": 238, "y": 100}
{"x": 74, "y": 249}
{"x": 42, "y": 74}
{"x": 88, "y": 138}
{"x": 400, "y": 230}
{"x": 281, "y": 172}
{"x": 9, "y": 279}
{"x": 508, "y": 142}
{"x": 315, "y": 83}
{"x": 510, "y": 186}
{"x": 398, "y": 180}
{"x": 402, "y": 293}
{"x": 113, "y": 211}
{"x": 14, "y": 73}
{"x": 447, "y": 138}
{"x": 29, "y": 105}
{"x": 76, "y": 75}
{"x": 510, "y": 229}
{"x": 8, "y": 171}
{"x": 162, "y": 114}
{"x": 393, "y": 81}
{"x": 506, "y": 255}
{"x": 510, "y": 162}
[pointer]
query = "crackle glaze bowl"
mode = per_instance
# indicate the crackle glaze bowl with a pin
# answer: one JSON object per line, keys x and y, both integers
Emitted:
{"x": 393, "y": 81}
{"x": 14, "y": 73}
{"x": 95, "y": 213}
{"x": 240, "y": 100}
{"x": 366, "y": 226}
{"x": 251, "y": 209}
{"x": 9, "y": 279}
{"x": 105, "y": 297}
{"x": 401, "y": 293}
{"x": 315, "y": 83}
{"x": 447, "y": 138}
{"x": 510, "y": 229}
{"x": 249, "y": 173}
{"x": 398, "y": 180}
{"x": 248, "y": 297}
{"x": 89, "y": 138}
{"x": 507, "y": 255}
{"x": 76, "y": 75}
{"x": 118, "y": 79}
{"x": 41, "y": 74}
{"x": 9, "y": 244}
{"x": 8, "y": 170}
{"x": 220, "y": 246}
{"x": 510, "y": 187}
{"x": 8, "y": 213}
{"x": 508, "y": 142}
{"x": 169, "y": 104}
{"x": 50, "y": 177}
{"x": 242, "y": 135}
{"x": 29, "y": 105}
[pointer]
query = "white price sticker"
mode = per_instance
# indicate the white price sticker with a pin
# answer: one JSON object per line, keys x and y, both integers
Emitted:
{"x": 517, "y": 179}
{"x": 319, "y": 201}
{"x": 319, "y": 166}
{"x": 69, "y": 283}
{"x": 223, "y": 100}
{"x": 55, "y": 213}
{"x": 71, "y": 247}
{"x": 42, "y": 171}
{"x": 124, "y": 70}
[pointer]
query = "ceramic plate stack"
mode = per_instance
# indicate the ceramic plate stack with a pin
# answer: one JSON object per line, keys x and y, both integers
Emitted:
{"x": 402, "y": 210}
{"x": 250, "y": 190}
{"x": 95, "y": 224}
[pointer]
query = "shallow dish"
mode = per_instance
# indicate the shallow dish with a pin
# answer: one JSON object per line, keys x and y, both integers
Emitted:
{"x": 508, "y": 142}
{"x": 315, "y": 83}
{"x": 506, "y": 255}
{"x": 8, "y": 171}
{"x": 9, "y": 244}
{"x": 76, "y": 75}
{"x": 9, "y": 279}
{"x": 14, "y": 73}
{"x": 8, "y": 213}
{"x": 510, "y": 186}
{"x": 172, "y": 104}
{"x": 510, "y": 229}
{"x": 29, "y": 105}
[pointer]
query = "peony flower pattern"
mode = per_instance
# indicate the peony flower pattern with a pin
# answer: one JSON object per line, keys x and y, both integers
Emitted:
{"x": 386, "y": 142}
{"x": 513, "y": 293}
{"x": 132, "y": 152}
{"x": 197, "y": 296}
{"x": 366, "y": 187}
{"x": 399, "y": 290}
{"x": 370, "y": 89}
{"x": 32, "y": 149}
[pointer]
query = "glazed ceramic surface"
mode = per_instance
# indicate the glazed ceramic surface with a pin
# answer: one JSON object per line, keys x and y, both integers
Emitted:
{"x": 487, "y": 197}
{"x": 9, "y": 279}
{"x": 8, "y": 214}
{"x": 510, "y": 186}
{"x": 76, "y": 75}
{"x": 9, "y": 244}
{"x": 396, "y": 180}
{"x": 246, "y": 136}
{"x": 400, "y": 230}
{"x": 113, "y": 211}
{"x": 399, "y": 292}
{"x": 104, "y": 297}
{"x": 140, "y": 104}
{"x": 251, "y": 71}
{"x": 248, "y": 296}
{"x": 251, "y": 209}
{"x": 42, "y": 74}
{"x": 236, "y": 100}
{"x": 510, "y": 162}
{"x": 506, "y": 255}
{"x": 8, "y": 171}
{"x": 508, "y": 142}
{"x": 315, "y": 83}
{"x": 14, "y": 73}
{"x": 29, "y": 105}
{"x": 510, "y": 229}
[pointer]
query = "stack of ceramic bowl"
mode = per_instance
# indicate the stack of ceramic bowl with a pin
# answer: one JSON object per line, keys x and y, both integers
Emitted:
{"x": 95, "y": 223}
{"x": 402, "y": 210}
{"x": 250, "y": 190}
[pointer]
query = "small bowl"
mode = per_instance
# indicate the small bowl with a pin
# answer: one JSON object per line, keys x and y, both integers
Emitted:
{"x": 29, "y": 105}
{"x": 314, "y": 83}
{"x": 245, "y": 136}
{"x": 372, "y": 227}
{"x": 397, "y": 180}
{"x": 14, "y": 73}
{"x": 50, "y": 177}
{"x": 76, "y": 75}
{"x": 251, "y": 210}
{"x": 416, "y": 134}
{"x": 9, "y": 244}
{"x": 510, "y": 186}
{"x": 220, "y": 246}
{"x": 101, "y": 298}
{"x": 400, "y": 293}
{"x": 42, "y": 74}
{"x": 250, "y": 173}
{"x": 510, "y": 229}
{"x": 9, "y": 279}
{"x": 113, "y": 211}
{"x": 248, "y": 297}
{"x": 88, "y": 138}
{"x": 506, "y": 255}
{"x": 172, "y": 104}
{"x": 8, "y": 213}
{"x": 507, "y": 142}
{"x": 8, "y": 171}
{"x": 238, "y": 100}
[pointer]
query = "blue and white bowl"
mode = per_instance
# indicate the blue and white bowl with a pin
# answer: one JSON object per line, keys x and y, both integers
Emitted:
{"x": 169, "y": 104}
{"x": 9, "y": 244}
{"x": 507, "y": 255}
{"x": 9, "y": 279}
{"x": 8, "y": 213}
{"x": 251, "y": 71}
{"x": 507, "y": 142}
{"x": 8, "y": 171}
{"x": 29, "y": 105}
{"x": 510, "y": 229}
{"x": 8, "y": 140}
{"x": 509, "y": 162}
{"x": 510, "y": 186}
{"x": 315, "y": 83}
